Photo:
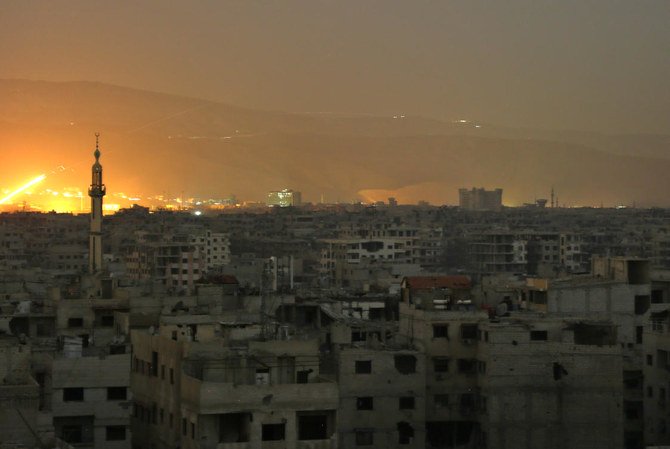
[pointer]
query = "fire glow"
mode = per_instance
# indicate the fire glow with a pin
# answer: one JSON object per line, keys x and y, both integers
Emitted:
{"x": 24, "y": 187}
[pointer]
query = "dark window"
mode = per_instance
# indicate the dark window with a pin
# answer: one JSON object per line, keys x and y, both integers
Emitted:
{"x": 364, "y": 403}
{"x": 405, "y": 433}
{"x": 639, "y": 330}
{"x": 72, "y": 434}
{"x": 469, "y": 331}
{"x": 363, "y": 366}
{"x": 193, "y": 430}
{"x": 538, "y": 335}
{"x": 441, "y": 364}
{"x": 73, "y": 394}
{"x": 171, "y": 376}
{"x": 405, "y": 364}
{"x": 162, "y": 372}
{"x": 75, "y": 322}
{"x": 650, "y": 359}
{"x": 184, "y": 428}
{"x": 154, "y": 363}
{"x": 115, "y": 433}
{"x": 313, "y": 427}
{"x": 357, "y": 336}
{"x": 467, "y": 366}
{"x": 441, "y": 400}
{"x": 116, "y": 393}
{"x": 107, "y": 320}
{"x": 117, "y": 349}
{"x": 406, "y": 403}
{"x": 364, "y": 437}
{"x": 642, "y": 304}
{"x": 440, "y": 331}
{"x": 302, "y": 377}
{"x": 274, "y": 432}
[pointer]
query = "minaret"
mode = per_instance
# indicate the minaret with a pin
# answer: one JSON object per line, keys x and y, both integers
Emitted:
{"x": 96, "y": 192}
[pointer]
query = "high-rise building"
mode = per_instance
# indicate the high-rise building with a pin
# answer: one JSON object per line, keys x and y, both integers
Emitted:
{"x": 96, "y": 191}
{"x": 284, "y": 198}
{"x": 480, "y": 199}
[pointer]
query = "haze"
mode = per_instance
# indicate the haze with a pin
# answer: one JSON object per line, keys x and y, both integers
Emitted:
{"x": 369, "y": 98}
{"x": 593, "y": 65}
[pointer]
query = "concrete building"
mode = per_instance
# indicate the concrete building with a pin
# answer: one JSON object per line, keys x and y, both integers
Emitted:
{"x": 214, "y": 248}
{"x": 284, "y": 198}
{"x": 263, "y": 394}
{"x": 656, "y": 369}
{"x": 382, "y": 397}
{"x": 480, "y": 199}
{"x": 91, "y": 400}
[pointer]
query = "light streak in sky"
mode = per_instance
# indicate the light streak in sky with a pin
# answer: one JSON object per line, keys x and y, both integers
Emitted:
{"x": 27, "y": 185}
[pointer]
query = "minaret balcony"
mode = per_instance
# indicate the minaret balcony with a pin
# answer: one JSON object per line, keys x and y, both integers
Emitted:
{"x": 96, "y": 191}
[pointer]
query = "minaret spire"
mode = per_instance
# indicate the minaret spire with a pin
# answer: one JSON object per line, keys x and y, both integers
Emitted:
{"x": 96, "y": 191}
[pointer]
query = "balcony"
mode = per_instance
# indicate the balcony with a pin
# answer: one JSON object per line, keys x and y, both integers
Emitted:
{"x": 221, "y": 397}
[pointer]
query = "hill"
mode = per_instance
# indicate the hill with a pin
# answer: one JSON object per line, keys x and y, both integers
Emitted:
{"x": 155, "y": 143}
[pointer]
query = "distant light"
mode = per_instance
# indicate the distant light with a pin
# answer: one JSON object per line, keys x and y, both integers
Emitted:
{"x": 29, "y": 184}
{"x": 478, "y": 126}
{"x": 198, "y": 213}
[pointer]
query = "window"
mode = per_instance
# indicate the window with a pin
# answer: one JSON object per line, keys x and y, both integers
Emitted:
{"x": 274, "y": 432}
{"x": 364, "y": 403}
{"x": 314, "y": 425}
{"x": 467, "y": 366}
{"x": 662, "y": 359}
{"x": 468, "y": 331}
{"x": 405, "y": 433}
{"x": 115, "y": 433}
{"x": 154, "y": 363}
{"x": 441, "y": 331}
{"x": 406, "y": 403}
{"x": 302, "y": 377}
{"x": 72, "y": 434}
{"x": 75, "y": 322}
{"x": 538, "y": 335}
{"x": 193, "y": 430}
{"x": 650, "y": 359}
{"x": 184, "y": 428}
{"x": 441, "y": 364}
{"x": 639, "y": 330}
{"x": 73, "y": 394}
{"x": 650, "y": 392}
{"x": 107, "y": 321}
{"x": 642, "y": 303}
{"x": 441, "y": 400}
{"x": 262, "y": 376}
{"x": 363, "y": 366}
{"x": 405, "y": 364}
{"x": 116, "y": 393}
{"x": 364, "y": 437}
{"x": 162, "y": 372}
{"x": 171, "y": 376}
{"x": 162, "y": 415}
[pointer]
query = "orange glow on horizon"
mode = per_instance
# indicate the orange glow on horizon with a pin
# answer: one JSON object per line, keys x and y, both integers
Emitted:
{"x": 26, "y": 186}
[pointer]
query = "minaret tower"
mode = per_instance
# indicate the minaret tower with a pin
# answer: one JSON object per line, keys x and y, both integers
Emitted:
{"x": 96, "y": 192}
